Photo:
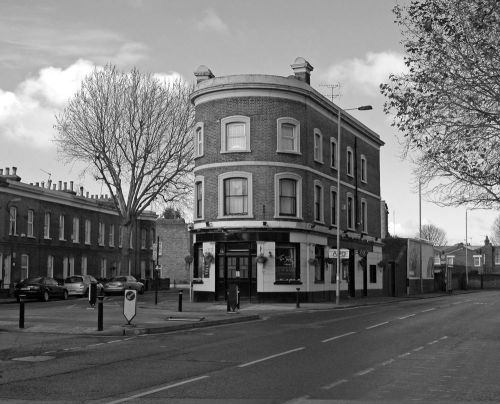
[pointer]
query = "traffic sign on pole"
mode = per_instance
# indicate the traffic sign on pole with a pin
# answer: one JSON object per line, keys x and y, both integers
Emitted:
{"x": 129, "y": 304}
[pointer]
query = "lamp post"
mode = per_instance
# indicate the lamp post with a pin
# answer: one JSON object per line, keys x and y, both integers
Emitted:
{"x": 466, "y": 255}
{"x": 337, "y": 219}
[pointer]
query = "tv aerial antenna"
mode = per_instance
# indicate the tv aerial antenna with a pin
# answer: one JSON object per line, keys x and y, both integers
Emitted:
{"x": 332, "y": 95}
{"x": 46, "y": 172}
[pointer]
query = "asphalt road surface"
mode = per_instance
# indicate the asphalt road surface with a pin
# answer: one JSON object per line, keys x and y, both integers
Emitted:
{"x": 442, "y": 350}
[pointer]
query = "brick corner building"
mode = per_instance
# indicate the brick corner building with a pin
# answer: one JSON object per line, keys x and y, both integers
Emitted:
{"x": 265, "y": 215}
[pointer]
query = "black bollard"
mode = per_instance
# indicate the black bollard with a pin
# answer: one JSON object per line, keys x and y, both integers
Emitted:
{"x": 21, "y": 311}
{"x": 180, "y": 300}
{"x": 298, "y": 298}
{"x": 100, "y": 312}
{"x": 228, "y": 306}
{"x": 238, "y": 299}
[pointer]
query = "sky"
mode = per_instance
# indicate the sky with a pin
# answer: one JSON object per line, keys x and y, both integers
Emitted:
{"x": 48, "y": 46}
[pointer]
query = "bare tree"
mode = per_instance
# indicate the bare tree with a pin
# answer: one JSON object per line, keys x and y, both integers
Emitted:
{"x": 447, "y": 104}
{"x": 133, "y": 132}
{"x": 434, "y": 234}
{"x": 495, "y": 232}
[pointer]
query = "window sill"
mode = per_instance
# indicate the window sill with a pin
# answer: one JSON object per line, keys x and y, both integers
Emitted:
{"x": 234, "y": 151}
{"x": 288, "y": 282}
{"x": 296, "y": 153}
{"x": 197, "y": 282}
{"x": 236, "y": 217}
{"x": 319, "y": 282}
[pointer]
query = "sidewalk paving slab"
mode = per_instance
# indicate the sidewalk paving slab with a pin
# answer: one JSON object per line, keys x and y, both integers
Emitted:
{"x": 164, "y": 317}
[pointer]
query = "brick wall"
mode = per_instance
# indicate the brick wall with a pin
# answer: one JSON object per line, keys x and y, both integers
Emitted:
{"x": 176, "y": 245}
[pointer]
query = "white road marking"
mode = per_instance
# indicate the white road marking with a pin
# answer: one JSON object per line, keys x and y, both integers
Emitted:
{"x": 418, "y": 349}
{"x": 99, "y": 343}
{"x": 112, "y": 342}
{"x": 364, "y": 372}
{"x": 433, "y": 342}
{"x": 334, "y": 384}
{"x": 404, "y": 355}
{"x": 146, "y": 393}
{"x": 339, "y": 336}
{"x": 387, "y": 362}
{"x": 409, "y": 315}
{"x": 425, "y": 311}
{"x": 270, "y": 357}
{"x": 445, "y": 337}
{"x": 457, "y": 302}
{"x": 377, "y": 325}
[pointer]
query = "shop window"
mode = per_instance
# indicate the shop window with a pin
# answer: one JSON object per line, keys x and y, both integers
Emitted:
{"x": 373, "y": 274}
{"x": 287, "y": 267}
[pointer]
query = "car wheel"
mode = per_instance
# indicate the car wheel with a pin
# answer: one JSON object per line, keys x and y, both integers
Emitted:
{"x": 45, "y": 296}
{"x": 65, "y": 295}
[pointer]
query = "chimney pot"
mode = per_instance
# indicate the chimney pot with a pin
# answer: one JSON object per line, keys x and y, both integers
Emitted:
{"x": 65, "y": 186}
{"x": 71, "y": 186}
{"x": 59, "y": 185}
{"x": 7, "y": 171}
{"x": 1, "y": 171}
{"x": 43, "y": 184}
{"x": 14, "y": 170}
{"x": 203, "y": 73}
{"x": 302, "y": 69}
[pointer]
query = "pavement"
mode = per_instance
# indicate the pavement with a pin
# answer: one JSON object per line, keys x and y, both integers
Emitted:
{"x": 159, "y": 313}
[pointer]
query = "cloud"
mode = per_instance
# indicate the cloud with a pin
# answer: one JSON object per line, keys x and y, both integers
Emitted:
{"x": 212, "y": 22}
{"x": 27, "y": 113}
{"x": 366, "y": 74}
{"x": 169, "y": 77}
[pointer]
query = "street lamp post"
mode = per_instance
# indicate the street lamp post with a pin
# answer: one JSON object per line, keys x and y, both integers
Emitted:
{"x": 466, "y": 255}
{"x": 337, "y": 219}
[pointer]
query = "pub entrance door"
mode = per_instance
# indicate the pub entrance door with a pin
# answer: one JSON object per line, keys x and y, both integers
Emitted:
{"x": 236, "y": 266}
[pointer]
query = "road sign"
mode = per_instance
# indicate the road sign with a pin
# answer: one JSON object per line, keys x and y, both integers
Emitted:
{"x": 344, "y": 253}
{"x": 129, "y": 304}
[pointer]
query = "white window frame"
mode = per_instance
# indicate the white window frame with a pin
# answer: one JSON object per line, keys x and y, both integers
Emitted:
{"x": 363, "y": 169}
{"x": 61, "y": 227}
{"x": 12, "y": 221}
{"x": 235, "y": 174}
{"x": 298, "y": 207}
{"x": 497, "y": 256}
{"x": 364, "y": 215}
{"x": 111, "y": 236}
{"x": 235, "y": 119}
{"x": 333, "y": 153}
{"x": 50, "y": 266}
{"x": 296, "y": 135}
{"x": 75, "y": 236}
{"x": 450, "y": 260}
{"x": 199, "y": 140}
{"x": 102, "y": 234}
{"x": 30, "y": 230}
{"x": 201, "y": 180}
{"x": 103, "y": 267}
{"x": 318, "y": 146}
{"x": 351, "y": 219}
{"x": 88, "y": 231}
{"x": 318, "y": 184}
{"x": 349, "y": 160}
{"x": 46, "y": 226}
{"x": 25, "y": 266}
{"x": 477, "y": 260}
{"x": 83, "y": 265}
{"x": 333, "y": 203}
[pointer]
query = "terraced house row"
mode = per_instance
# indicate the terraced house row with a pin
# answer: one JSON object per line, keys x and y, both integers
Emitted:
{"x": 266, "y": 213}
{"x": 49, "y": 229}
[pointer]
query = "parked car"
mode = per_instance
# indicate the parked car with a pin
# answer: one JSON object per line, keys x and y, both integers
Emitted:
{"x": 119, "y": 284}
{"x": 79, "y": 284}
{"x": 42, "y": 288}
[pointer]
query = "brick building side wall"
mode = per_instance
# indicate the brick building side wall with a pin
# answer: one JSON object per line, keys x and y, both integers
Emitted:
{"x": 176, "y": 245}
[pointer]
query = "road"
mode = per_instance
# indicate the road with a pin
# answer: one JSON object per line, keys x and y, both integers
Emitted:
{"x": 443, "y": 349}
